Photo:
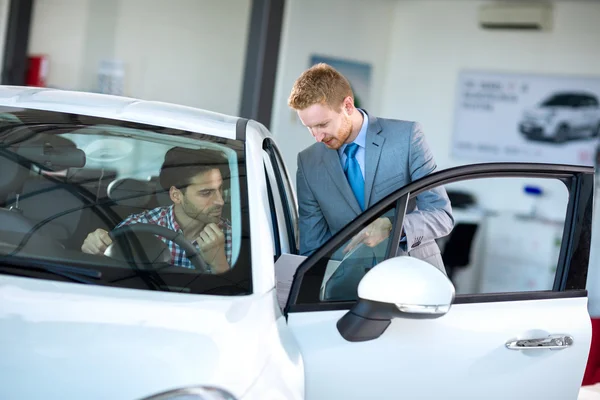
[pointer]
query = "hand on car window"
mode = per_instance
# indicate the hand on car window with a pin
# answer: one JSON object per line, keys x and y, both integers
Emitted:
{"x": 373, "y": 234}
{"x": 96, "y": 242}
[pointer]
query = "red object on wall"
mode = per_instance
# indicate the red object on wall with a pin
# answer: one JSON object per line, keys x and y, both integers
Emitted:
{"x": 37, "y": 70}
{"x": 592, "y": 371}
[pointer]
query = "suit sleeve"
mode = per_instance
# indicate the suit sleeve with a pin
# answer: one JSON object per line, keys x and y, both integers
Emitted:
{"x": 432, "y": 218}
{"x": 314, "y": 231}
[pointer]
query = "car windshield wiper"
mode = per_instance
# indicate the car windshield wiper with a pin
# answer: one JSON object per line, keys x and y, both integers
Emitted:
{"x": 76, "y": 274}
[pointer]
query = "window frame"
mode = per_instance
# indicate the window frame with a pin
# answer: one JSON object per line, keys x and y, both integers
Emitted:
{"x": 237, "y": 281}
{"x": 286, "y": 193}
{"x": 571, "y": 273}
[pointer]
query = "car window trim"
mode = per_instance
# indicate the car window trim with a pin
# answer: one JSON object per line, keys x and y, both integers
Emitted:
{"x": 461, "y": 173}
{"x": 274, "y": 222}
{"x": 270, "y": 148}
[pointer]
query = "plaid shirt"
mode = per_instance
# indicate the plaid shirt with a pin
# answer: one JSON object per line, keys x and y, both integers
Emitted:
{"x": 164, "y": 216}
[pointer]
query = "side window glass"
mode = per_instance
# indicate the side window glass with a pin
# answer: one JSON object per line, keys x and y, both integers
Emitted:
{"x": 506, "y": 237}
{"x": 507, "y": 234}
{"x": 335, "y": 277}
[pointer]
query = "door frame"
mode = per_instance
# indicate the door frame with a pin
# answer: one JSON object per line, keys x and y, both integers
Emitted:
{"x": 571, "y": 275}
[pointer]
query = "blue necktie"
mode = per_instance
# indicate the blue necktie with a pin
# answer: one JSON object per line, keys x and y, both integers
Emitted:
{"x": 352, "y": 171}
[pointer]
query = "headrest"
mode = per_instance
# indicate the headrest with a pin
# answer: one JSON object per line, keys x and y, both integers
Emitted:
{"x": 12, "y": 173}
{"x": 130, "y": 192}
{"x": 52, "y": 152}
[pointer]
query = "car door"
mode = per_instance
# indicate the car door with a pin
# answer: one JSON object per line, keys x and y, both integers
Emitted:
{"x": 517, "y": 326}
{"x": 579, "y": 114}
{"x": 592, "y": 116}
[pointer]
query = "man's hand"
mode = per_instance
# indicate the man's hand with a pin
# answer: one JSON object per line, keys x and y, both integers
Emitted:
{"x": 373, "y": 234}
{"x": 96, "y": 242}
{"x": 212, "y": 247}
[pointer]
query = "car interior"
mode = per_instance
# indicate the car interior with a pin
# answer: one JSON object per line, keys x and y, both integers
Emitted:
{"x": 51, "y": 199}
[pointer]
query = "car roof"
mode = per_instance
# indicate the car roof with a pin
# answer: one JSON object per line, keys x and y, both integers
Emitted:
{"x": 156, "y": 113}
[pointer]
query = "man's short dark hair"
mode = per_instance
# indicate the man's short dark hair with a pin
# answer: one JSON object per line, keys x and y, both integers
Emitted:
{"x": 181, "y": 165}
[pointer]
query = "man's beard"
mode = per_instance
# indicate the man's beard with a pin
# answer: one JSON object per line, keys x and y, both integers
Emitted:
{"x": 212, "y": 215}
{"x": 343, "y": 134}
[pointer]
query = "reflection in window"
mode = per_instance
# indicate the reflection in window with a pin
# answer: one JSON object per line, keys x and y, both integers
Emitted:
{"x": 507, "y": 243}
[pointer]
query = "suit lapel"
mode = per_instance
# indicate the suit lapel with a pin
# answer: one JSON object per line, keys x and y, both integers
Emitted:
{"x": 333, "y": 165}
{"x": 373, "y": 147}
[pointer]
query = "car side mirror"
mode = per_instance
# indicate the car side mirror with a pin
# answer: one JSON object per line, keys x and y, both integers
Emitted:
{"x": 400, "y": 287}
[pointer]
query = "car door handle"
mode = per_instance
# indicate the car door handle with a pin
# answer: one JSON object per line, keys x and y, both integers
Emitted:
{"x": 551, "y": 342}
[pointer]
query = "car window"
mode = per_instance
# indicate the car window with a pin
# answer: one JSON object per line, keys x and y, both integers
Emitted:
{"x": 66, "y": 176}
{"x": 559, "y": 101}
{"x": 510, "y": 246}
{"x": 589, "y": 102}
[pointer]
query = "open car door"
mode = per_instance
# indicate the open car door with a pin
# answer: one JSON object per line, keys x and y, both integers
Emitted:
{"x": 514, "y": 325}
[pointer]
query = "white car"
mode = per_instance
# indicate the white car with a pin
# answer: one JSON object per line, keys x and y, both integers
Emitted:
{"x": 132, "y": 326}
{"x": 562, "y": 117}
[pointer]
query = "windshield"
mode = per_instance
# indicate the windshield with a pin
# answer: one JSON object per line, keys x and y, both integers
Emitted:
{"x": 107, "y": 202}
{"x": 562, "y": 100}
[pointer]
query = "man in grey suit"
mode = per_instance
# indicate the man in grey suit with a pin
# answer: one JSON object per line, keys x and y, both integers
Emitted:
{"x": 358, "y": 160}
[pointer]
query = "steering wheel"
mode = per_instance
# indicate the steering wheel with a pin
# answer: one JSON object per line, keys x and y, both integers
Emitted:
{"x": 190, "y": 250}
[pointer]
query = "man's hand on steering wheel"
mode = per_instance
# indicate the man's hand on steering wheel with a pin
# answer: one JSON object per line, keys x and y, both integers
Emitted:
{"x": 211, "y": 242}
{"x": 96, "y": 242}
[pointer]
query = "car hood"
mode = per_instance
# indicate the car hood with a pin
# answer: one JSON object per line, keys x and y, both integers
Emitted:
{"x": 71, "y": 341}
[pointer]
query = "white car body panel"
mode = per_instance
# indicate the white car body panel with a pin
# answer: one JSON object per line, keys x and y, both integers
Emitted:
{"x": 262, "y": 250}
{"x": 70, "y": 341}
{"x": 461, "y": 355}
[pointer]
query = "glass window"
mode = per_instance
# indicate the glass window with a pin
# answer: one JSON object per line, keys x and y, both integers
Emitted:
{"x": 148, "y": 196}
{"x": 511, "y": 245}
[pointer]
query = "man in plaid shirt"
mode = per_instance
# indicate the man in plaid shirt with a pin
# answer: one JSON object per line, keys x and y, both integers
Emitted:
{"x": 195, "y": 182}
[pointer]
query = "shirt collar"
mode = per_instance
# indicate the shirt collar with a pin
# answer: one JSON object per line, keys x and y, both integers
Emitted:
{"x": 171, "y": 221}
{"x": 361, "y": 139}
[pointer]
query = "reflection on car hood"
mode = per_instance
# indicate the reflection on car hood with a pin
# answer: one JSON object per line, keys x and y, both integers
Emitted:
{"x": 69, "y": 341}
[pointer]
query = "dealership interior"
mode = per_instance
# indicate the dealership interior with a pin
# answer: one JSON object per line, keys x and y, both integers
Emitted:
{"x": 488, "y": 81}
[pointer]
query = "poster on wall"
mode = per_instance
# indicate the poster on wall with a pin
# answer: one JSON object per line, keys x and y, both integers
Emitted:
{"x": 527, "y": 118}
{"x": 357, "y": 73}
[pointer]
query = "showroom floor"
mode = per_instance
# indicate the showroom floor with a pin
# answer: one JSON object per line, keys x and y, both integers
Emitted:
{"x": 590, "y": 392}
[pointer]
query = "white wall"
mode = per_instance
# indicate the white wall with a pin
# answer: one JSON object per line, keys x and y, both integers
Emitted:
{"x": 352, "y": 29}
{"x": 100, "y": 38}
{"x": 433, "y": 40}
{"x": 188, "y": 52}
{"x": 58, "y": 30}
{"x": 4, "y": 8}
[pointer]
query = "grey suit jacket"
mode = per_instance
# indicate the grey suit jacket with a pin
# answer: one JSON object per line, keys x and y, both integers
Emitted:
{"x": 396, "y": 154}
